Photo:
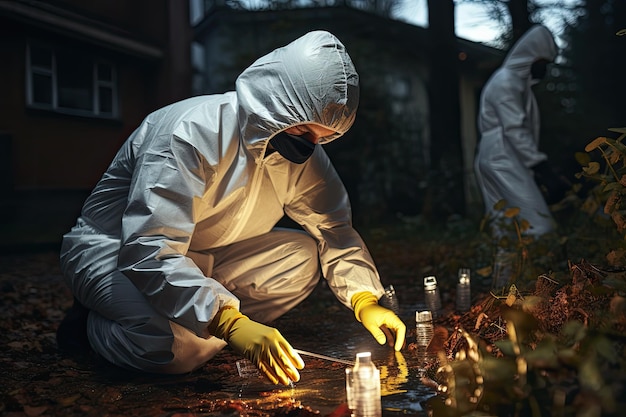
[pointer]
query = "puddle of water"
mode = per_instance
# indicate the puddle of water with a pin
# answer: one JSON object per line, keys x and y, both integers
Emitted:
{"x": 326, "y": 328}
{"x": 323, "y": 388}
{"x": 322, "y": 384}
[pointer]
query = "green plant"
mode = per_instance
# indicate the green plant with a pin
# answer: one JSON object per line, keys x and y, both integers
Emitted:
{"x": 610, "y": 190}
{"x": 517, "y": 257}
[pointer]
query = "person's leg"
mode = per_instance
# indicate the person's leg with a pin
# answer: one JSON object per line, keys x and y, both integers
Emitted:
{"x": 71, "y": 334}
{"x": 115, "y": 318}
{"x": 501, "y": 175}
{"x": 270, "y": 274}
{"x": 125, "y": 330}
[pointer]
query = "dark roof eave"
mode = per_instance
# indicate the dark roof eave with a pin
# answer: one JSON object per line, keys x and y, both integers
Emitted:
{"x": 61, "y": 24}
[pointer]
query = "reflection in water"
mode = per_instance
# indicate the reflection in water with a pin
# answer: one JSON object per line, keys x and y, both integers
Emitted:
{"x": 403, "y": 390}
{"x": 321, "y": 387}
{"x": 329, "y": 330}
{"x": 394, "y": 375}
{"x": 322, "y": 384}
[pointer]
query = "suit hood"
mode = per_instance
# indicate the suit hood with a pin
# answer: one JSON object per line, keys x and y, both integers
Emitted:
{"x": 535, "y": 44}
{"x": 310, "y": 80}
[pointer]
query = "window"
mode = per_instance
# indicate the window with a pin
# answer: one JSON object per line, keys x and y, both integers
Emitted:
{"x": 63, "y": 81}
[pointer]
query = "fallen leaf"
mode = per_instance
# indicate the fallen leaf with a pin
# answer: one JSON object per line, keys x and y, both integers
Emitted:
{"x": 34, "y": 411}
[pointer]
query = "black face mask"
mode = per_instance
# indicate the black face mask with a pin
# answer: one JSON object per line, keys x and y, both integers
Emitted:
{"x": 538, "y": 69}
{"x": 293, "y": 148}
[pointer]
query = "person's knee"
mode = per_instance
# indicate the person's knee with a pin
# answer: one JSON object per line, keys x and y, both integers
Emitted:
{"x": 131, "y": 347}
{"x": 156, "y": 346}
{"x": 304, "y": 246}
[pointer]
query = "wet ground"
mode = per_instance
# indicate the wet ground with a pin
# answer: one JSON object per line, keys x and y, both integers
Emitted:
{"x": 37, "y": 380}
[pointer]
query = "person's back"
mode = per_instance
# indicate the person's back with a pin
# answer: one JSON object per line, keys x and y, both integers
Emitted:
{"x": 106, "y": 204}
{"x": 509, "y": 127}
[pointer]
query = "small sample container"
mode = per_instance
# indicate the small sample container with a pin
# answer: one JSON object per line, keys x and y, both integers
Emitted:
{"x": 432, "y": 296}
{"x": 390, "y": 300}
{"x": 424, "y": 329}
{"x": 363, "y": 387}
{"x": 463, "y": 292}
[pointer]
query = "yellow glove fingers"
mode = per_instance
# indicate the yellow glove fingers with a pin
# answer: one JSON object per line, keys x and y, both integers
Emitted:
{"x": 272, "y": 364}
{"x": 273, "y": 357}
{"x": 394, "y": 323}
{"x": 377, "y": 320}
{"x": 395, "y": 338}
{"x": 294, "y": 356}
{"x": 269, "y": 373}
{"x": 291, "y": 358}
{"x": 278, "y": 368}
{"x": 376, "y": 331}
{"x": 388, "y": 335}
{"x": 284, "y": 364}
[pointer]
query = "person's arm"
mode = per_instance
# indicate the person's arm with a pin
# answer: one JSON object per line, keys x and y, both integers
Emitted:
{"x": 514, "y": 119}
{"x": 321, "y": 205}
{"x": 509, "y": 104}
{"x": 165, "y": 196}
{"x": 158, "y": 224}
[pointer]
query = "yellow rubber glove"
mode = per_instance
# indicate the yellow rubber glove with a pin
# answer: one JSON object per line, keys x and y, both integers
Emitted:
{"x": 378, "y": 320}
{"x": 262, "y": 345}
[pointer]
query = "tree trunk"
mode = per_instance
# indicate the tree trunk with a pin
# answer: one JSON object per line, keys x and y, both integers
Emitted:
{"x": 519, "y": 10}
{"x": 446, "y": 185}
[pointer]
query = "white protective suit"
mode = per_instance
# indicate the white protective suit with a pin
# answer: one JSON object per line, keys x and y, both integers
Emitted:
{"x": 183, "y": 221}
{"x": 509, "y": 125}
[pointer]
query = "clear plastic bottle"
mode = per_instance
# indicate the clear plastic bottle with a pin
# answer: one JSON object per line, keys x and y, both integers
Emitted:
{"x": 463, "y": 292}
{"x": 423, "y": 328}
{"x": 390, "y": 300}
{"x": 363, "y": 387}
{"x": 431, "y": 296}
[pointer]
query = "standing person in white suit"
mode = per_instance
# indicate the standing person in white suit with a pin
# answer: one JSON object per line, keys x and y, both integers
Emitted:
{"x": 508, "y": 163}
{"x": 176, "y": 252}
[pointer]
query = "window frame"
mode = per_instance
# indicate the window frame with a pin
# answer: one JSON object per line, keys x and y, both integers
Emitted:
{"x": 97, "y": 84}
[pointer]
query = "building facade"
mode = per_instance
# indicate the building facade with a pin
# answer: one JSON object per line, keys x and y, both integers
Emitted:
{"x": 77, "y": 78}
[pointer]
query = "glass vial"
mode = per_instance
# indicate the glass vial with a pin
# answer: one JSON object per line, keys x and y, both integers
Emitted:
{"x": 463, "y": 293}
{"x": 431, "y": 296}
{"x": 503, "y": 267}
{"x": 423, "y": 328}
{"x": 247, "y": 369}
{"x": 363, "y": 387}
{"x": 390, "y": 300}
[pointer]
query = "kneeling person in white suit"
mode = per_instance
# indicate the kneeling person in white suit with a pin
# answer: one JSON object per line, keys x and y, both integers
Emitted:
{"x": 176, "y": 252}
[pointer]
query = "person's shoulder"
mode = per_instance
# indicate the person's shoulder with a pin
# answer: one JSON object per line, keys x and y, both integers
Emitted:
{"x": 197, "y": 107}
{"x": 201, "y": 101}
{"x": 505, "y": 80}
